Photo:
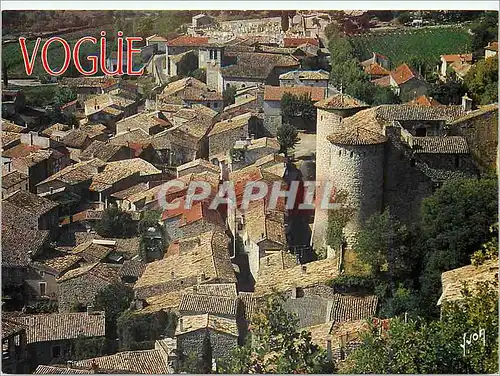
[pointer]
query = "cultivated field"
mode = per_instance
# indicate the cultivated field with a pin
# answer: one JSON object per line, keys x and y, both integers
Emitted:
{"x": 406, "y": 45}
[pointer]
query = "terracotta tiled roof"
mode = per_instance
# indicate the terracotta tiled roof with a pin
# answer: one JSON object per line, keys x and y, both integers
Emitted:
{"x": 156, "y": 38}
{"x": 140, "y": 361}
{"x": 357, "y": 136}
{"x": 124, "y": 194}
{"x": 217, "y": 289}
{"x": 116, "y": 171}
{"x": 58, "y": 263}
{"x": 13, "y": 178}
{"x": 19, "y": 236}
{"x": 61, "y": 326}
{"x": 102, "y": 150}
{"x": 55, "y": 127}
{"x": 31, "y": 203}
{"x": 471, "y": 115}
{"x": 199, "y": 163}
{"x": 249, "y": 303}
{"x": 375, "y": 69}
{"x": 60, "y": 370}
{"x": 403, "y": 74}
{"x": 91, "y": 251}
{"x": 206, "y": 321}
{"x": 97, "y": 82}
{"x": 331, "y": 331}
{"x": 11, "y": 327}
{"x": 10, "y": 138}
{"x": 234, "y": 123}
{"x": 262, "y": 224}
{"x": 257, "y": 66}
{"x": 187, "y": 41}
{"x": 283, "y": 280}
{"x": 492, "y": 46}
{"x": 132, "y": 268}
{"x": 104, "y": 102}
{"x": 457, "y": 57}
{"x": 106, "y": 273}
{"x": 209, "y": 256}
{"x": 295, "y": 42}
{"x": 217, "y": 305}
{"x": 383, "y": 81}
{"x": 424, "y": 100}
{"x": 198, "y": 211}
{"x": 403, "y": 112}
{"x": 461, "y": 68}
{"x": 340, "y": 101}
{"x": 9, "y": 126}
{"x": 350, "y": 307}
{"x": 143, "y": 121}
{"x": 274, "y": 93}
{"x": 306, "y": 75}
{"x": 134, "y": 136}
{"x": 440, "y": 145}
{"x": 77, "y": 173}
{"x": 453, "y": 280}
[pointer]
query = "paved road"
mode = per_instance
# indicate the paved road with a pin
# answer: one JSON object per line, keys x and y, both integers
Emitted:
{"x": 306, "y": 146}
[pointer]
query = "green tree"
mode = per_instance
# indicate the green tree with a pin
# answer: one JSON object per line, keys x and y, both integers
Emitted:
{"x": 85, "y": 348}
{"x": 449, "y": 92}
{"x": 455, "y": 221}
{"x": 482, "y": 81}
{"x": 228, "y": 95}
{"x": 115, "y": 223}
{"x": 63, "y": 95}
{"x": 145, "y": 26}
{"x": 287, "y": 136}
{"x": 485, "y": 30}
{"x": 419, "y": 346}
{"x": 293, "y": 106}
{"x": 200, "y": 74}
{"x": 113, "y": 300}
{"x": 277, "y": 346}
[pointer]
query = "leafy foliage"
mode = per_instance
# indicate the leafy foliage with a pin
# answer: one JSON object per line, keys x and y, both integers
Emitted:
{"x": 449, "y": 92}
{"x": 115, "y": 223}
{"x": 287, "y": 136}
{"x": 276, "y": 346}
{"x": 417, "y": 346}
{"x": 293, "y": 106}
{"x": 85, "y": 348}
{"x": 228, "y": 95}
{"x": 482, "y": 81}
{"x": 488, "y": 251}
{"x": 485, "y": 30}
{"x": 138, "y": 331}
{"x": 113, "y": 300}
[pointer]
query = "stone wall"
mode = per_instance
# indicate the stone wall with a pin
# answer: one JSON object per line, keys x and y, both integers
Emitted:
{"x": 76, "y": 290}
{"x": 359, "y": 171}
{"x": 224, "y": 141}
{"x": 222, "y": 344}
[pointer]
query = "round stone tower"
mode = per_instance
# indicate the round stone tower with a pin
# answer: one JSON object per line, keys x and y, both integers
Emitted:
{"x": 356, "y": 164}
{"x": 330, "y": 114}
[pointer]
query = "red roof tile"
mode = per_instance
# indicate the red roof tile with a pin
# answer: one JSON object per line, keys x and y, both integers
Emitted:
{"x": 424, "y": 100}
{"x": 403, "y": 73}
{"x": 383, "y": 81}
{"x": 295, "y": 42}
{"x": 376, "y": 70}
{"x": 185, "y": 40}
{"x": 198, "y": 210}
{"x": 457, "y": 57}
{"x": 274, "y": 93}
{"x": 492, "y": 46}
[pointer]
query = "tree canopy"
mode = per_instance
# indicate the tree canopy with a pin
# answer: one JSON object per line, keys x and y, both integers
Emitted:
{"x": 277, "y": 346}
{"x": 482, "y": 81}
{"x": 287, "y": 136}
{"x": 115, "y": 223}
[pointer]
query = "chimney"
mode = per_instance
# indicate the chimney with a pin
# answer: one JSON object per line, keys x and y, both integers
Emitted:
{"x": 90, "y": 310}
{"x": 181, "y": 325}
{"x": 329, "y": 349}
{"x": 294, "y": 293}
{"x": 466, "y": 103}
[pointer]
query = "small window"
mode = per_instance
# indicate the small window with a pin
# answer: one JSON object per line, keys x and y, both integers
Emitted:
{"x": 340, "y": 153}
{"x": 457, "y": 161}
{"x": 43, "y": 288}
{"x": 321, "y": 117}
{"x": 42, "y": 273}
{"x": 17, "y": 340}
{"x": 352, "y": 154}
{"x": 216, "y": 105}
{"x": 56, "y": 351}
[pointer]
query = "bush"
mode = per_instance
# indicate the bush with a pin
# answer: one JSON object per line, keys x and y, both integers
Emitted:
{"x": 116, "y": 223}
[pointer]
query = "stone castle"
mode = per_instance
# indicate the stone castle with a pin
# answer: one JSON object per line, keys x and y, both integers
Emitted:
{"x": 386, "y": 156}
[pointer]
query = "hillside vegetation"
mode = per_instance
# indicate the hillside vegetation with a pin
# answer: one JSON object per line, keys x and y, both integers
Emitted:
{"x": 423, "y": 45}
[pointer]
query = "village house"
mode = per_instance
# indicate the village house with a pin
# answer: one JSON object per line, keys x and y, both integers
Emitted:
{"x": 247, "y": 152}
{"x": 140, "y": 197}
{"x": 407, "y": 83}
{"x": 197, "y": 166}
{"x": 108, "y": 109}
{"x": 491, "y": 50}
{"x": 192, "y": 332}
{"x": 119, "y": 175}
{"x": 225, "y": 133}
{"x": 452, "y": 280}
{"x": 317, "y": 78}
{"x": 178, "y": 48}
{"x": 132, "y": 270}
{"x": 78, "y": 287}
{"x": 21, "y": 241}
{"x": 188, "y": 91}
{"x": 204, "y": 259}
{"x": 56, "y": 131}
{"x": 10, "y": 139}
{"x": 44, "y": 212}
{"x": 175, "y": 147}
{"x": 14, "y": 347}
{"x": 450, "y": 61}
{"x": 159, "y": 43}
{"x": 50, "y": 337}
{"x": 425, "y": 100}
{"x": 244, "y": 69}
{"x": 272, "y": 103}
{"x": 33, "y": 161}
{"x": 151, "y": 123}
{"x": 106, "y": 152}
{"x": 377, "y": 72}
{"x": 186, "y": 222}
{"x": 43, "y": 271}
{"x": 88, "y": 86}
{"x": 79, "y": 139}
{"x": 13, "y": 182}
{"x": 377, "y": 59}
